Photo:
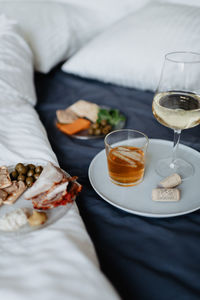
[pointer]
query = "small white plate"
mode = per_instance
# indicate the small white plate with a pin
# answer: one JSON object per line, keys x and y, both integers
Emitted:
{"x": 53, "y": 214}
{"x": 137, "y": 199}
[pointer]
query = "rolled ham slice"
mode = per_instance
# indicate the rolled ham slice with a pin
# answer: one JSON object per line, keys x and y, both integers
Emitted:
{"x": 53, "y": 188}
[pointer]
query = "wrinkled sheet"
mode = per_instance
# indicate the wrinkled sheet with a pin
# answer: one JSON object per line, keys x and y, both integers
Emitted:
{"x": 145, "y": 258}
{"x": 57, "y": 262}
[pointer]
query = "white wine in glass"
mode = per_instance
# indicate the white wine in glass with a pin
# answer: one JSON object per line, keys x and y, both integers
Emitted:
{"x": 176, "y": 105}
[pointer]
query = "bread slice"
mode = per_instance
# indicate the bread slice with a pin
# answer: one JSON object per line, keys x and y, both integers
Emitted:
{"x": 85, "y": 109}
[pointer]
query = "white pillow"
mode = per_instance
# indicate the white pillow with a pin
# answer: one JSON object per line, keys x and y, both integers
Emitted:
{"x": 131, "y": 52}
{"x": 186, "y": 2}
{"x": 55, "y": 31}
{"x": 16, "y": 65}
{"x": 44, "y": 26}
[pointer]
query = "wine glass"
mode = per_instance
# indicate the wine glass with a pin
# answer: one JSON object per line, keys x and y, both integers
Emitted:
{"x": 176, "y": 104}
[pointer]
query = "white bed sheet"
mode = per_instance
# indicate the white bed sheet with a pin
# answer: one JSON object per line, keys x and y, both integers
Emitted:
{"x": 57, "y": 262}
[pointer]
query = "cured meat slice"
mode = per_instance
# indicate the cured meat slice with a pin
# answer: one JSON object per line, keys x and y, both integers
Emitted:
{"x": 12, "y": 188}
{"x": 5, "y": 180}
{"x": 53, "y": 188}
{"x": 14, "y": 192}
{"x": 3, "y": 196}
{"x": 66, "y": 116}
{"x": 51, "y": 175}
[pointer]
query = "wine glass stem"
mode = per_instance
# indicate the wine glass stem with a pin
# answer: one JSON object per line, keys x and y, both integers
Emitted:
{"x": 177, "y": 134}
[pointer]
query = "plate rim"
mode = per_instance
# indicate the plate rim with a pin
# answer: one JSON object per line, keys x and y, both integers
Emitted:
{"x": 135, "y": 212}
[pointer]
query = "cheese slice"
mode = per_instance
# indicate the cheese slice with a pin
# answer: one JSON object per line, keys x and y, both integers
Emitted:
{"x": 76, "y": 126}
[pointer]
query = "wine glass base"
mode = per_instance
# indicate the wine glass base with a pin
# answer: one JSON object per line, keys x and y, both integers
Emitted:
{"x": 165, "y": 168}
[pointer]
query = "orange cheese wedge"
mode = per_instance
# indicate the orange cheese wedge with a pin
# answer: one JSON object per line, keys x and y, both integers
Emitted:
{"x": 78, "y": 125}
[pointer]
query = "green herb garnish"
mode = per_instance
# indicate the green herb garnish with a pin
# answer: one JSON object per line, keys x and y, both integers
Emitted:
{"x": 112, "y": 116}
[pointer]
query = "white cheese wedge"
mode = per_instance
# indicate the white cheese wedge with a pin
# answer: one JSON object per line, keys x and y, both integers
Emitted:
{"x": 14, "y": 220}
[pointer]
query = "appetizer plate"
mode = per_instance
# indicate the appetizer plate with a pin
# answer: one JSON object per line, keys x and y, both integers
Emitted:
{"x": 53, "y": 214}
{"x": 137, "y": 199}
{"x": 84, "y": 135}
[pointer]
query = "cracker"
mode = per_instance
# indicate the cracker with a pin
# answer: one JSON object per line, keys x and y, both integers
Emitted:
{"x": 85, "y": 109}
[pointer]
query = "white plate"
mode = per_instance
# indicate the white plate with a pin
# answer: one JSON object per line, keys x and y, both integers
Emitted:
{"x": 137, "y": 199}
{"x": 53, "y": 214}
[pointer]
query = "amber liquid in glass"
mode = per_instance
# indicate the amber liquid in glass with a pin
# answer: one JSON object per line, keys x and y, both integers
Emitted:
{"x": 126, "y": 165}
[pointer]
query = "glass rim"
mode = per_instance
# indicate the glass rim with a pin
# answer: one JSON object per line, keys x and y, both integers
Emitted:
{"x": 167, "y": 57}
{"x": 123, "y": 130}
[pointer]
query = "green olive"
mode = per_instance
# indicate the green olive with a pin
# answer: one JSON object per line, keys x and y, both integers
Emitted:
{"x": 31, "y": 167}
{"x": 38, "y": 169}
{"x": 91, "y": 131}
{"x": 30, "y": 173}
{"x": 29, "y": 181}
{"x": 36, "y": 176}
{"x": 109, "y": 127}
{"x": 103, "y": 122}
{"x": 21, "y": 177}
{"x": 18, "y": 167}
{"x": 24, "y": 170}
{"x": 95, "y": 126}
{"x": 14, "y": 174}
{"x": 97, "y": 131}
{"x": 105, "y": 131}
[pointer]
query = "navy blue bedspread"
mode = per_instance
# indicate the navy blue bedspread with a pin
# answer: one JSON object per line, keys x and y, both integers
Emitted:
{"x": 144, "y": 258}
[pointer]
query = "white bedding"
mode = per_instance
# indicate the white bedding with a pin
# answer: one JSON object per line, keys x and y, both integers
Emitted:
{"x": 57, "y": 262}
{"x": 131, "y": 52}
{"x": 55, "y": 29}
{"x": 16, "y": 68}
